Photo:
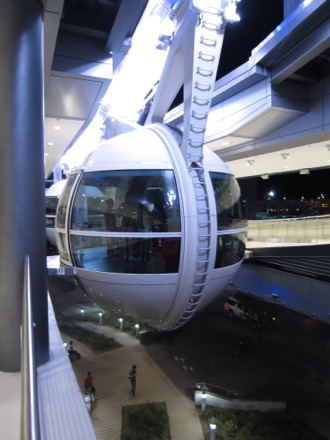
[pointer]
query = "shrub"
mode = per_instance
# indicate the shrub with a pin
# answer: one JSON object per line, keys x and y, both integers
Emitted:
{"x": 250, "y": 425}
{"x": 111, "y": 320}
{"x": 144, "y": 422}
{"x": 95, "y": 341}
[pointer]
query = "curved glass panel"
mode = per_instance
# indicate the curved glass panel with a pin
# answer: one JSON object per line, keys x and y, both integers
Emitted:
{"x": 63, "y": 202}
{"x": 128, "y": 201}
{"x": 51, "y": 205}
{"x": 62, "y": 249}
{"x": 228, "y": 201}
{"x": 126, "y": 255}
{"x": 230, "y": 249}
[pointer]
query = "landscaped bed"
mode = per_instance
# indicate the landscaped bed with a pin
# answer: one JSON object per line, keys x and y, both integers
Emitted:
{"x": 98, "y": 343}
{"x": 251, "y": 425}
{"x": 147, "y": 421}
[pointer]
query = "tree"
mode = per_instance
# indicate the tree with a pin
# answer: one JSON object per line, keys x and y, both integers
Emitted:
{"x": 263, "y": 315}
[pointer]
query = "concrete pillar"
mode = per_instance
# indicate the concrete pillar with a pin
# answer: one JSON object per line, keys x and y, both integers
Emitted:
{"x": 22, "y": 192}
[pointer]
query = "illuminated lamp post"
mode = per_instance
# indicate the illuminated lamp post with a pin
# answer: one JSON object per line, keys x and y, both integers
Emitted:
{"x": 213, "y": 428}
{"x": 203, "y": 400}
{"x": 120, "y": 320}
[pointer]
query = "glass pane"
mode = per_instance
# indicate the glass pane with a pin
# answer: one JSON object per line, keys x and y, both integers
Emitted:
{"x": 126, "y": 255}
{"x": 228, "y": 201}
{"x": 63, "y": 202}
{"x": 62, "y": 249}
{"x": 50, "y": 222}
{"x": 129, "y": 201}
{"x": 51, "y": 204}
{"x": 230, "y": 249}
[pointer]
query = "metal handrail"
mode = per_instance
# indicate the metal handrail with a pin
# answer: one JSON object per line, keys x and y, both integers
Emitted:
{"x": 291, "y": 219}
{"x": 30, "y": 423}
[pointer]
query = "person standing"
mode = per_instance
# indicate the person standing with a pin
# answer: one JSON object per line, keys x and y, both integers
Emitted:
{"x": 132, "y": 379}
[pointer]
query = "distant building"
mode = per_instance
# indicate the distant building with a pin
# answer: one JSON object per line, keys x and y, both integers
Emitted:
{"x": 272, "y": 208}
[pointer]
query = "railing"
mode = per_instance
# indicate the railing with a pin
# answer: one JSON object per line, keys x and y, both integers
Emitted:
{"x": 216, "y": 389}
{"x": 30, "y": 424}
{"x": 314, "y": 229}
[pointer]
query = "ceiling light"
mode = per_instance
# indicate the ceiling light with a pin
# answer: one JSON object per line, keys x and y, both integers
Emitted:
{"x": 265, "y": 176}
{"x": 285, "y": 155}
{"x": 230, "y": 12}
{"x": 50, "y": 144}
{"x": 250, "y": 162}
{"x": 304, "y": 171}
{"x": 57, "y": 127}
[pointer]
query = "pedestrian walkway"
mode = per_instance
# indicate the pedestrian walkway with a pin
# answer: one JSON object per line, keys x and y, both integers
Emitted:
{"x": 111, "y": 370}
{"x": 170, "y": 365}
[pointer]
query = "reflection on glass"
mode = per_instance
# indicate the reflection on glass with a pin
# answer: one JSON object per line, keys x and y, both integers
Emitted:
{"x": 228, "y": 201}
{"x": 230, "y": 249}
{"x": 63, "y": 251}
{"x": 128, "y": 201}
{"x": 50, "y": 222}
{"x": 126, "y": 255}
{"x": 63, "y": 203}
{"x": 51, "y": 204}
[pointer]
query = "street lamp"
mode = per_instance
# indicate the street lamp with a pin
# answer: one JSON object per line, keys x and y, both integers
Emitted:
{"x": 120, "y": 320}
{"x": 203, "y": 399}
{"x": 213, "y": 428}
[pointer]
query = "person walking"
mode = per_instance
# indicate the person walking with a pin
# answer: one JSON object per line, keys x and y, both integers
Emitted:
{"x": 132, "y": 379}
{"x": 89, "y": 385}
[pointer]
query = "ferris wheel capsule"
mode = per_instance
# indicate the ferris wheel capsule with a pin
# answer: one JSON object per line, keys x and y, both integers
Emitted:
{"x": 142, "y": 244}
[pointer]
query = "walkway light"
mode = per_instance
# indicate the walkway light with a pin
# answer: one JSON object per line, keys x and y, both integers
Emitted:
{"x": 100, "y": 317}
{"x": 213, "y": 428}
{"x": 203, "y": 399}
{"x": 120, "y": 320}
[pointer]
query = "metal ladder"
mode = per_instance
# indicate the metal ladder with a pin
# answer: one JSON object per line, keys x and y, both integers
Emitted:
{"x": 209, "y": 35}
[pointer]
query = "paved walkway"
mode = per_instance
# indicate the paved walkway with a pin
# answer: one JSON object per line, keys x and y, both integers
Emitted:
{"x": 111, "y": 369}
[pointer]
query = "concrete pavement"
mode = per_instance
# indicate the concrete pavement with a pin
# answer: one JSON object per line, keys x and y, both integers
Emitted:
{"x": 111, "y": 369}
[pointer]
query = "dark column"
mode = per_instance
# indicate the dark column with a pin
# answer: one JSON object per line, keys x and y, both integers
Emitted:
{"x": 22, "y": 192}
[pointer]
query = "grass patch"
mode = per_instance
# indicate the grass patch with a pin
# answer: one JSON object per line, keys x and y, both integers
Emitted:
{"x": 111, "y": 320}
{"x": 147, "y": 421}
{"x": 251, "y": 425}
{"x": 98, "y": 343}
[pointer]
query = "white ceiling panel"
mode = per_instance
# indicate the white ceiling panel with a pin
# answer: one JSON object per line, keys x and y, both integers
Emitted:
{"x": 68, "y": 97}
{"x": 58, "y": 139}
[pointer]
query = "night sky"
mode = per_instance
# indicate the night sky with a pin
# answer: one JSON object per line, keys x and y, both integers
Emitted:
{"x": 295, "y": 186}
